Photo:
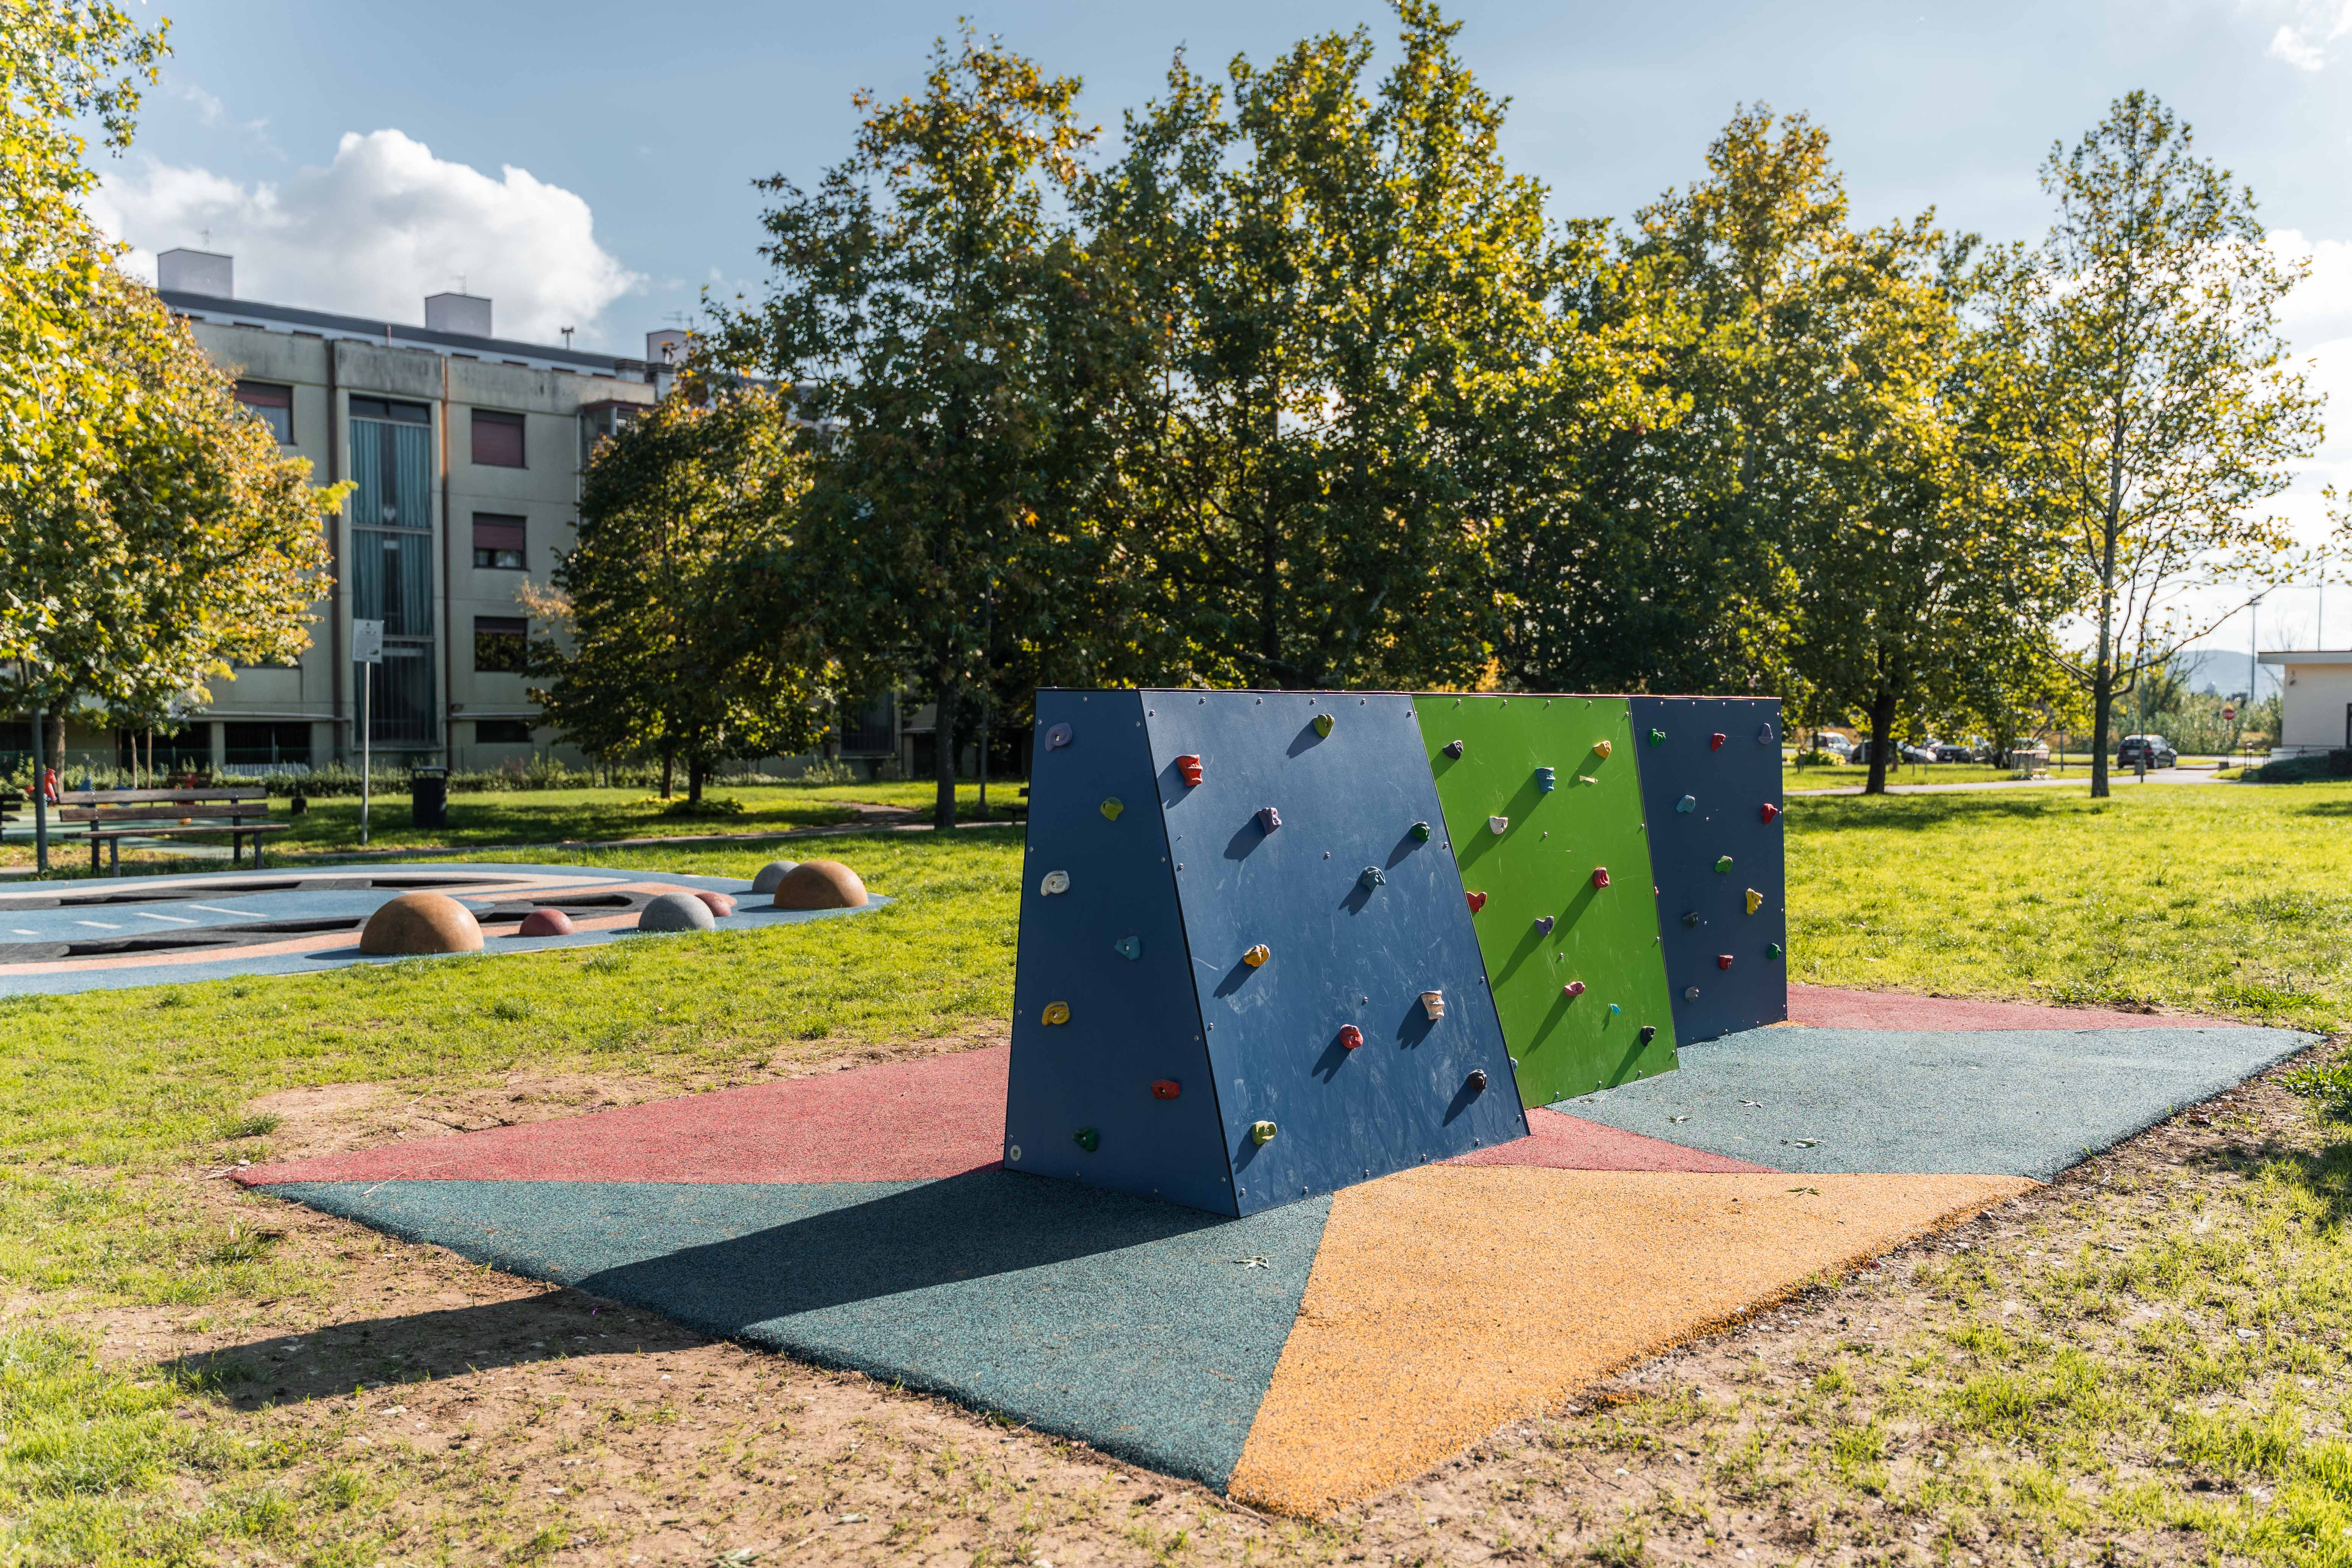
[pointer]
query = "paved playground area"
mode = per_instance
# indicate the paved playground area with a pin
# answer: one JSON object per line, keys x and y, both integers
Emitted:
{"x": 149, "y": 930}
{"x": 1315, "y": 1353}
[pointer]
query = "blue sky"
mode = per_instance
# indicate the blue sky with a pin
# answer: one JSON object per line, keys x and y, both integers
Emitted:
{"x": 587, "y": 164}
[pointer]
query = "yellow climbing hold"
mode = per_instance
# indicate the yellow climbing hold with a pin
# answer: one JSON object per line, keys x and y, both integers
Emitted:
{"x": 1256, "y": 955}
{"x": 1112, "y": 807}
{"x": 1755, "y": 900}
{"x": 1056, "y": 1012}
{"x": 1601, "y": 749}
{"x": 1322, "y": 723}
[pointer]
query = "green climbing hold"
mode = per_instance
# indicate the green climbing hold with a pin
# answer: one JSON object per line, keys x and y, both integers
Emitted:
{"x": 1723, "y": 863}
{"x": 1323, "y": 724}
{"x": 1771, "y": 950}
{"x": 1420, "y": 831}
{"x": 1658, "y": 737}
{"x": 1086, "y": 1138}
{"x": 1112, "y": 807}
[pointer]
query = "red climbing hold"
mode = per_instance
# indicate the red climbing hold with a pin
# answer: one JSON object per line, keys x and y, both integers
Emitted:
{"x": 1477, "y": 902}
{"x": 1166, "y": 1089}
{"x": 1771, "y": 811}
{"x": 1600, "y": 876}
{"x": 1188, "y": 767}
{"x": 1350, "y": 1037}
{"x": 1723, "y": 961}
{"x": 1715, "y": 742}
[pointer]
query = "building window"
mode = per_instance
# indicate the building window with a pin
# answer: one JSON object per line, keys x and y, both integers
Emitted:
{"x": 252, "y": 742}
{"x": 501, "y": 645}
{"x": 274, "y": 406}
{"x": 498, "y": 541}
{"x": 502, "y": 731}
{"x": 398, "y": 412}
{"x": 497, "y": 439}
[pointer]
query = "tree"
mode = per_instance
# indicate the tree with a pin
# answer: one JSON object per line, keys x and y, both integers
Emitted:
{"x": 921, "y": 306}
{"x": 1364, "y": 364}
{"x": 151, "y": 535}
{"x": 670, "y": 630}
{"x": 2153, "y": 409}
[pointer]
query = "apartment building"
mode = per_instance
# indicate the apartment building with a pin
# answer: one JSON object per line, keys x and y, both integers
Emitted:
{"x": 466, "y": 452}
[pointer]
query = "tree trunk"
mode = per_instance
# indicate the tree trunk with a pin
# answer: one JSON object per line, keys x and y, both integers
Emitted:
{"x": 56, "y": 746}
{"x": 667, "y": 763}
{"x": 1881, "y": 740}
{"x": 2103, "y": 703}
{"x": 943, "y": 812}
{"x": 694, "y": 781}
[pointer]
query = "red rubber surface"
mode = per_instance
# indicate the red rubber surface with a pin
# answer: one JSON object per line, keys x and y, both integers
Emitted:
{"x": 1565, "y": 1143}
{"x": 913, "y": 1121}
{"x": 1826, "y": 1008}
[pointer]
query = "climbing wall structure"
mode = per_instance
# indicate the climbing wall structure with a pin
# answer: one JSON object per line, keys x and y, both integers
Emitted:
{"x": 1543, "y": 807}
{"x": 1710, "y": 771}
{"x": 1247, "y": 973}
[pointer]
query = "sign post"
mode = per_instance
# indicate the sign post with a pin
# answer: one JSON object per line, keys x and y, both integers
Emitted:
{"x": 40, "y": 790}
{"x": 367, "y": 652}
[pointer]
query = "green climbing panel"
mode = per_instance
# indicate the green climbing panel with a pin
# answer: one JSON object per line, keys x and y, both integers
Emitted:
{"x": 1541, "y": 866}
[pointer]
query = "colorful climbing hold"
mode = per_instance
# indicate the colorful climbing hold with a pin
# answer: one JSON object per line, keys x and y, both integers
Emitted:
{"x": 1432, "y": 1003}
{"x": 1350, "y": 1038}
{"x": 1723, "y": 961}
{"x": 1600, "y": 876}
{"x": 1715, "y": 742}
{"x": 1188, "y": 768}
{"x": 1257, "y": 955}
{"x": 1420, "y": 831}
{"x": 1614, "y": 1009}
{"x": 1722, "y": 863}
{"x": 1323, "y": 723}
{"x": 1601, "y": 749}
{"x": 1658, "y": 737}
{"x": 1128, "y": 947}
{"x": 1771, "y": 811}
{"x": 1476, "y": 1082}
{"x": 1649, "y": 1032}
{"x": 1498, "y": 825}
{"x": 1573, "y": 988}
{"x": 1690, "y": 992}
{"x": 1546, "y": 780}
{"x": 1755, "y": 900}
{"x": 1477, "y": 902}
{"x": 1057, "y": 737}
{"x": 1268, "y": 819}
{"x": 1055, "y": 1013}
{"x": 1166, "y": 1089}
{"x": 1086, "y": 1138}
{"x": 1771, "y": 950}
{"x": 1544, "y": 924}
{"x": 1054, "y": 882}
{"x": 1112, "y": 807}
{"x": 1586, "y": 778}
{"x": 1453, "y": 750}
{"x": 1690, "y": 918}
{"x": 1372, "y": 876}
{"x": 1764, "y": 736}
{"x": 1262, "y": 1132}
{"x": 1687, "y": 804}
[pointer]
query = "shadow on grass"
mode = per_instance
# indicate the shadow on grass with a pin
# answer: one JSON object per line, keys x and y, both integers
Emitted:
{"x": 1819, "y": 813}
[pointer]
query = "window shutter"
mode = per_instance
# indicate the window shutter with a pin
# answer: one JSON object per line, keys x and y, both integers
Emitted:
{"x": 497, "y": 439}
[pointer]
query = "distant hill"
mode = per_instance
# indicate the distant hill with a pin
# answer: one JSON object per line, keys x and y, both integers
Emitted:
{"x": 2223, "y": 671}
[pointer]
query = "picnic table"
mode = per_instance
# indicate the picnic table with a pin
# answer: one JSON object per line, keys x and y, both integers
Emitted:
{"x": 108, "y": 816}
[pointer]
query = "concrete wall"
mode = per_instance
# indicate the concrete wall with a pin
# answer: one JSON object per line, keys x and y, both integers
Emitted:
{"x": 2317, "y": 698}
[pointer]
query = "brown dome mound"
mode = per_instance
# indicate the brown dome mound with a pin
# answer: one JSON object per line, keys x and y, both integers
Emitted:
{"x": 820, "y": 885}
{"x": 422, "y": 922}
{"x": 545, "y": 922}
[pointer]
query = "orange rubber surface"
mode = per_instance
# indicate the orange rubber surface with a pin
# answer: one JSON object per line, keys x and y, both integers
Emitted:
{"x": 1447, "y": 1301}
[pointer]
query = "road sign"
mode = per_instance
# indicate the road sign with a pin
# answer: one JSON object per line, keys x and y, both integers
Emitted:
{"x": 2229, "y": 714}
{"x": 367, "y": 642}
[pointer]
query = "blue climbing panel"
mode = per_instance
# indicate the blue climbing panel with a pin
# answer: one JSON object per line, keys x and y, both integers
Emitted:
{"x": 1713, "y": 814}
{"x": 1109, "y": 949}
{"x": 1329, "y": 1038}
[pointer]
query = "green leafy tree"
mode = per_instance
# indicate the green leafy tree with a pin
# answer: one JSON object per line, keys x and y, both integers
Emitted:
{"x": 2156, "y": 409}
{"x": 935, "y": 318}
{"x": 1365, "y": 362}
{"x": 151, "y": 535}
{"x": 668, "y": 630}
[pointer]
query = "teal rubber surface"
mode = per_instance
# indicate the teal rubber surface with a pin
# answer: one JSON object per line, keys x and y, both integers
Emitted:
{"x": 2023, "y": 1102}
{"x": 1147, "y": 1329}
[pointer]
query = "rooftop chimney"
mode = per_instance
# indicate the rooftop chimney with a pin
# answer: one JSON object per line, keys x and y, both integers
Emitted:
{"x": 197, "y": 272}
{"x": 669, "y": 346}
{"x": 466, "y": 313}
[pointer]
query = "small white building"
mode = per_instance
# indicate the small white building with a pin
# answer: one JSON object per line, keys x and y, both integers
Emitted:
{"x": 2316, "y": 704}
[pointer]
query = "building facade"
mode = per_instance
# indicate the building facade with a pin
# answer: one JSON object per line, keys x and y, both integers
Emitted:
{"x": 2315, "y": 702}
{"x": 466, "y": 453}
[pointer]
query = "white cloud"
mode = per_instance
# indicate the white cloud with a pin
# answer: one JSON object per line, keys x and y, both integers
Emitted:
{"x": 383, "y": 225}
{"x": 2302, "y": 40}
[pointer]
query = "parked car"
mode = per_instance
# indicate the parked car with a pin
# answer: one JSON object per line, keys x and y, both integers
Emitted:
{"x": 2025, "y": 749}
{"x": 1945, "y": 751}
{"x": 2154, "y": 748}
{"x": 1831, "y": 741}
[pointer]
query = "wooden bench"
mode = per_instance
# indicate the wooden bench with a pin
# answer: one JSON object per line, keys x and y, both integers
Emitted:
{"x": 108, "y": 816}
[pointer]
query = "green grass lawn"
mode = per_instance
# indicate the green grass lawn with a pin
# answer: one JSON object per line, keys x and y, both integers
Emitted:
{"x": 2228, "y": 899}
